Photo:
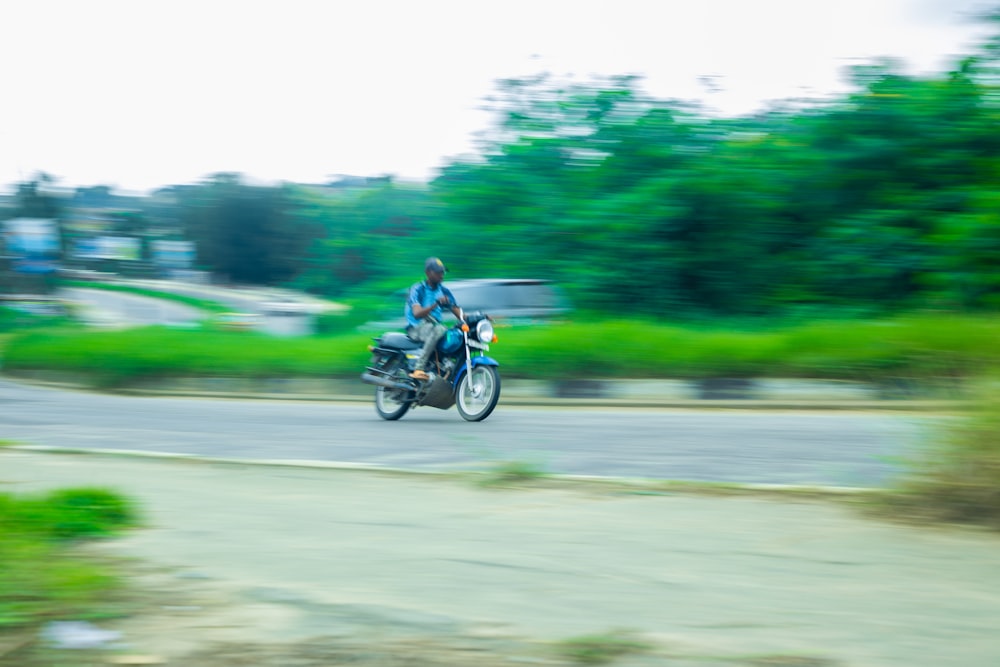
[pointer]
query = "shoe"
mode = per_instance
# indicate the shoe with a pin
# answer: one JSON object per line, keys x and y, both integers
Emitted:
{"x": 420, "y": 375}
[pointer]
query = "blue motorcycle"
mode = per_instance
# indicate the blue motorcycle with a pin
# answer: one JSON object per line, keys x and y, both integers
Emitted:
{"x": 460, "y": 373}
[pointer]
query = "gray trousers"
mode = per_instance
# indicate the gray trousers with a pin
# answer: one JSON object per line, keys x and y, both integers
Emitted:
{"x": 430, "y": 333}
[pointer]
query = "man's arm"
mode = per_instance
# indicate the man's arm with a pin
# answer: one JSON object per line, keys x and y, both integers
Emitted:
{"x": 450, "y": 304}
{"x": 420, "y": 312}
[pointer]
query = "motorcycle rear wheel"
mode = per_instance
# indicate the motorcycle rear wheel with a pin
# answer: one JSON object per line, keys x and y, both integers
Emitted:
{"x": 390, "y": 404}
{"x": 478, "y": 393}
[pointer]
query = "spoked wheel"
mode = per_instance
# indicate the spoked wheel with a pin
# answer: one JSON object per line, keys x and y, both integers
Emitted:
{"x": 478, "y": 393}
{"x": 391, "y": 404}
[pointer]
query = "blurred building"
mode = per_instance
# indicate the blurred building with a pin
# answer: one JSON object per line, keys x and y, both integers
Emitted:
{"x": 31, "y": 253}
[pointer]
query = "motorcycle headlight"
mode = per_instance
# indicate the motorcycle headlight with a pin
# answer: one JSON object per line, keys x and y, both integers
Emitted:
{"x": 484, "y": 331}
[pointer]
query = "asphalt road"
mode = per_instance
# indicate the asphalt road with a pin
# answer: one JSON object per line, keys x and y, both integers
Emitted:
{"x": 113, "y": 309}
{"x": 765, "y": 447}
{"x": 106, "y": 308}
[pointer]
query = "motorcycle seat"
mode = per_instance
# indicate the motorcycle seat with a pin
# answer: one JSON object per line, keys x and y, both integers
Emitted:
{"x": 399, "y": 341}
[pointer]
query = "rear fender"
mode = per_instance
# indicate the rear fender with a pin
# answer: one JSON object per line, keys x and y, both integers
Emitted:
{"x": 476, "y": 361}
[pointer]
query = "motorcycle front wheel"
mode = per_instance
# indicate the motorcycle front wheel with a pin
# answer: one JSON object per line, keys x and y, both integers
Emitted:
{"x": 478, "y": 393}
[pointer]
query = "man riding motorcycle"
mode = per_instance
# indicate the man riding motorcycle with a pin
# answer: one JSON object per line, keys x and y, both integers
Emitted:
{"x": 424, "y": 308}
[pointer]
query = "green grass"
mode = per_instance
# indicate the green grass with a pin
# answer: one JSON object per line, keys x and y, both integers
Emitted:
{"x": 909, "y": 347}
{"x": 599, "y": 649}
{"x": 68, "y": 514}
{"x": 511, "y": 473}
{"x": 42, "y": 574}
{"x": 787, "y": 660}
{"x": 115, "y": 358}
{"x": 906, "y": 349}
{"x": 12, "y": 321}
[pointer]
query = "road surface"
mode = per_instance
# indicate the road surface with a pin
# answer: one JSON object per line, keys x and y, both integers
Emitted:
{"x": 765, "y": 447}
{"x": 106, "y": 308}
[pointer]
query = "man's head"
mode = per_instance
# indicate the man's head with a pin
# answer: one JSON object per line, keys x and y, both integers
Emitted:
{"x": 434, "y": 269}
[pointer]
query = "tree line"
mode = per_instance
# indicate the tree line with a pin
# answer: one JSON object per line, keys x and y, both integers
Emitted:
{"x": 884, "y": 199}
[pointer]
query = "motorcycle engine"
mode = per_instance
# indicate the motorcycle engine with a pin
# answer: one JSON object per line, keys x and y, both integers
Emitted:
{"x": 438, "y": 394}
{"x": 447, "y": 366}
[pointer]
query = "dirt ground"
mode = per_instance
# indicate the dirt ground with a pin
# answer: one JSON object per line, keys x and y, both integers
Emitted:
{"x": 172, "y": 620}
{"x": 290, "y": 566}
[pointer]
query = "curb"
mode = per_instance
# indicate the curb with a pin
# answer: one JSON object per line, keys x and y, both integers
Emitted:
{"x": 664, "y": 485}
{"x": 650, "y": 403}
{"x": 526, "y": 396}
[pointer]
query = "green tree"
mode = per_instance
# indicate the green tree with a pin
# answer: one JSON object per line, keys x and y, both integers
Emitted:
{"x": 905, "y": 159}
{"x": 370, "y": 234}
{"x": 36, "y": 199}
{"x": 244, "y": 233}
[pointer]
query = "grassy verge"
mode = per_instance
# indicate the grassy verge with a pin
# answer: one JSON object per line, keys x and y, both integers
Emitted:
{"x": 907, "y": 349}
{"x": 600, "y": 649}
{"x": 42, "y": 575}
{"x": 13, "y": 321}
{"x": 115, "y": 358}
{"x": 914, "y": 346}
{"x": 511, "y": 473}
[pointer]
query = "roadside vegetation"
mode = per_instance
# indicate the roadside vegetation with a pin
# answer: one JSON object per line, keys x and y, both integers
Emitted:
{"x": 43, "y": 574}
{"x": 915, "y": 349}
{"x": 14, "y": 321}
{"x": 957, "y": 477}
{"x": 511, "y": 473}
{"x": 600, "y": 649}
{"x": 116, "y": 358}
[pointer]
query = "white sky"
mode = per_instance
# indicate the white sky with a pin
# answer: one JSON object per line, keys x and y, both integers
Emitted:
{"x": 139, "y": 94}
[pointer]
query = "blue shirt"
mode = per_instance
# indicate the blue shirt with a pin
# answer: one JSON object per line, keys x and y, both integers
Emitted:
{"x": 422, "y": 294}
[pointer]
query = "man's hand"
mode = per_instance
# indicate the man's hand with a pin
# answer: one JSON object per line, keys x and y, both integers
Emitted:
{"x": 443, "y": 300}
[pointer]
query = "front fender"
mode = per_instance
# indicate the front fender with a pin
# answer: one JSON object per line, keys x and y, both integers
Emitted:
{"x": 476, "y": 361}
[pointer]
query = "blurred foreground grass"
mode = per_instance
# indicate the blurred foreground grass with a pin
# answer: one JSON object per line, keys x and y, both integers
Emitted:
{"x": 913, "y": 348}
{"x": 957, "y": 476}
{"x": 43, "y": 575}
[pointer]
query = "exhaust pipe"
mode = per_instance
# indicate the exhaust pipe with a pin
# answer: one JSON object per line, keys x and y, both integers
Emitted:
{"x": 385, "y": 382}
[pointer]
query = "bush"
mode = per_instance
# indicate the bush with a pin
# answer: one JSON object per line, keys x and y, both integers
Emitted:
{"x": 958, "y": 477}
